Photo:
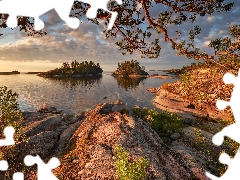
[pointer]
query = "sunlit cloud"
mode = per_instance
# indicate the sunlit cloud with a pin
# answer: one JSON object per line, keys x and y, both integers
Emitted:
{"x": 18, "y": 51}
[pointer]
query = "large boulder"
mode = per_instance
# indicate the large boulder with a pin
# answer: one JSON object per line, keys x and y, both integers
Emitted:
{"x": 85, "y": 146}
{"x": 95, "y": 139}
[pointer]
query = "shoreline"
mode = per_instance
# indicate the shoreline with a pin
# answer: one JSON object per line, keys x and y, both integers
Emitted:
{"x": 76, "y": 124}
{"x": 70, "y": 76}
{"x": 105, "y": 124}
{"x": 174, "y": 103}
{"x": 57, "y": 130}
{"x": 145, "y": 76}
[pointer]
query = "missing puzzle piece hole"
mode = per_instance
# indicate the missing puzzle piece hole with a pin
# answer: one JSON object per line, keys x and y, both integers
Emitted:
{"x": 218, "y": 139}
{"x": 12, "y": 22}
{"x": 228, "y": 78}
{"x": 18, "y": 176}
{"x": 39, "y": 25}
{"x": 8, "y": 133}
{"x": 73, "y": 23}
{"x": 221, "y": 105}
{"x": 3, "y": 165}
{"x": 224, "y": 159}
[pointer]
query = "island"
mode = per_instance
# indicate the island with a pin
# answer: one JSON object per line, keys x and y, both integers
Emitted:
{"x": 34, "y": 72}
{"x": 74, "y": 69}
{"x": 9, "y": 73}
{"x": 130, "y": 69}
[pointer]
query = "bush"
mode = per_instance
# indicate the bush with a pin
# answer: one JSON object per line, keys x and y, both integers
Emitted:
{"x": 161, "y": 122}
{"x": 10, "y": 113}
{"x": 126, "y": 170}
{"x": 130, "y": 67}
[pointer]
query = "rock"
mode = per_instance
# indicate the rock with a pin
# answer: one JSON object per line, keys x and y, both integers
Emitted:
{"x": 175, "y": 136}
{"x": 153, "y": 90}
{"x": 65, "y": 136}
{"x": 46, "y": 109}
{"x": 189, "y": 121}
{"x": 192, "y": 134}
{"x": 160, "y": 76}
{"x": 103, "y": 131}
{"x": 106, "y": 108}
{"x": 42, "y": 143}
{"x": 52, "y": 109}
{"x": 119, "y": 102}
{"x": 191, "y": 106}
{"x": 85, "y": 145}
{"x": 46, "y": 124}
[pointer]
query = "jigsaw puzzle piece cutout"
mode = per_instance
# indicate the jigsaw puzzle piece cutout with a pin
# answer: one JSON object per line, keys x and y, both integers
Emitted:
{"x": 63, "y": 8}
{"x": 18, "y": 176}
{"x": 221, "y": 105}
{"x": 44, "y": 170}
{"x": 100, "y": 4}
{"x": 229, "y": 78}
{"x": 234, "y": 100}
{"x": 8, "y": 133}
{"x": 3, "y": 165}
{"x": 231, "y": 131}
{"x": 35, "y": 9}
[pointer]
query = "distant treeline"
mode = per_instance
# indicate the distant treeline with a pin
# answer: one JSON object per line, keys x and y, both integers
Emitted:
{"x": 73, "y": 69}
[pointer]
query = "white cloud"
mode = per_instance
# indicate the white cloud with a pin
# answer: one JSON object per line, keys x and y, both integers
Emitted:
{"x": 89, "y": 43}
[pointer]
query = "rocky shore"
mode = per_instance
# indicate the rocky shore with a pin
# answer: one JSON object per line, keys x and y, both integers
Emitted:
{"x": 202, "y": 120}
{"x": 85, "y": 145}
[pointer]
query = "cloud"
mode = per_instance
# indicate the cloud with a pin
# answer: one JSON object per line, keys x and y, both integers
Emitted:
{"x": 88, "y": 42}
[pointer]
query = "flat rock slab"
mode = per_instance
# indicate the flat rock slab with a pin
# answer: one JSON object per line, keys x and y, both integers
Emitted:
{"x": 170, "y": 102}
{"x": 192, "y": 134}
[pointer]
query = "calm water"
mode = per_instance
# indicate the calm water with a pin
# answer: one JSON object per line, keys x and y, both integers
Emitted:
{"x": 76, "y": 95}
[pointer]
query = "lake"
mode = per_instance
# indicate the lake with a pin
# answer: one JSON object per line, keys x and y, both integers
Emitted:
{"x": 75, "y": 95}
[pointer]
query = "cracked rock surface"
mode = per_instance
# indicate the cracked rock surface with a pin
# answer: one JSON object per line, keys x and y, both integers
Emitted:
{"x": 85, "y": 145}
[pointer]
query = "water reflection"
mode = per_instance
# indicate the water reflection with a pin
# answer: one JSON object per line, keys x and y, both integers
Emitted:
{"x": 72, "y": 95}
{"x": 82, "y": 82}
{"x": 129, "y": 83}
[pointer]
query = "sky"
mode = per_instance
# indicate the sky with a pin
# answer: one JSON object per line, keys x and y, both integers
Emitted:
{"x": 23, "y": 53}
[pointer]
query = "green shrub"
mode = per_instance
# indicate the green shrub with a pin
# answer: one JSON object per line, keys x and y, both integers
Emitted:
{"x": 124, "y": 111}
{"x": 10, "y": 113}
{"x": 126, "y": 170}
{"x": 161, "y": 122}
